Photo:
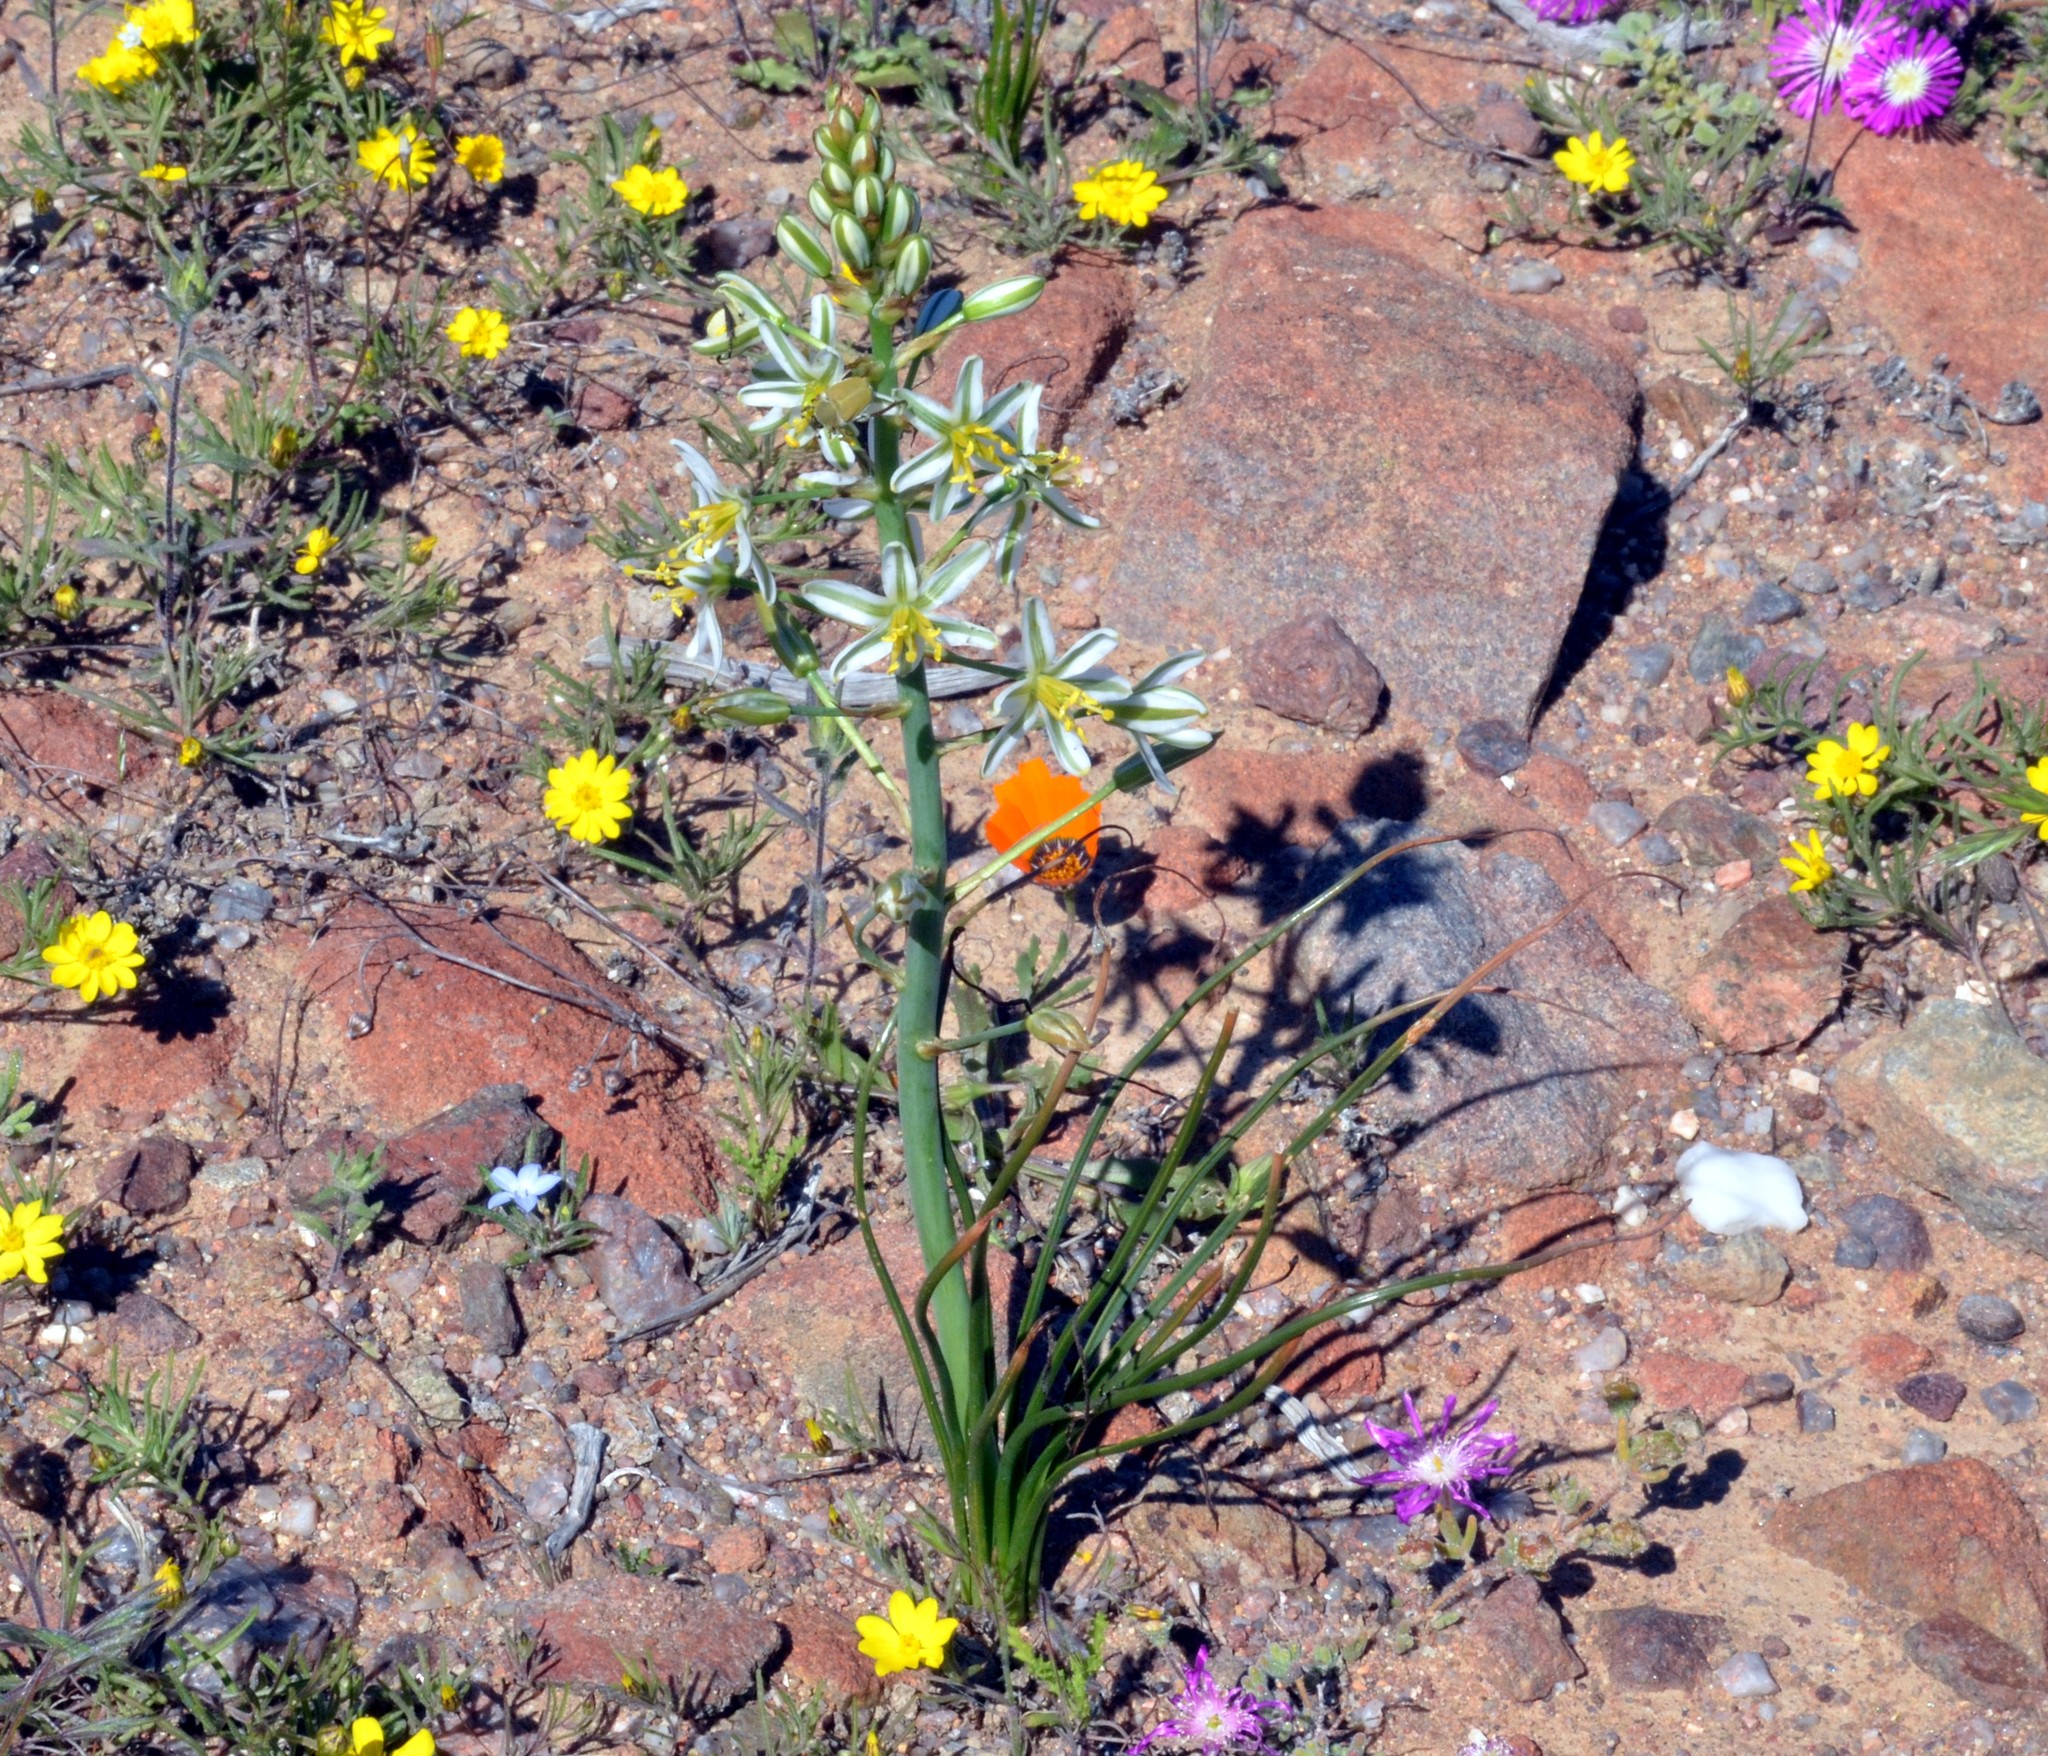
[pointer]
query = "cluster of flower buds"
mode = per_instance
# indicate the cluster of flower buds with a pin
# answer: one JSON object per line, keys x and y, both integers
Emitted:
{"x": 871, "y": 221}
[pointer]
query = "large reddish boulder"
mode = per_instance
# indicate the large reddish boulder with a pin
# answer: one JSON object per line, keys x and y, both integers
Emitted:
{"x": 1368, "y": 437}
{"x": 435, "y": 1005}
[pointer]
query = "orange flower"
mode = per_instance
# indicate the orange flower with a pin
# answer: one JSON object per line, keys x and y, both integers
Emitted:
{"x": 1031, "y": 798}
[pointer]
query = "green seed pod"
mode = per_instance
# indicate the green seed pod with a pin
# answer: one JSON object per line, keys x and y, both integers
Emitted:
{"x": 900, "y": 214}
{"x": 913, "y": 266}
{"x": 803, "y": 246}
{"x": 851, "y": 242}
{"x": 744, "y": 707}
{"x": 1058, "y": 1029}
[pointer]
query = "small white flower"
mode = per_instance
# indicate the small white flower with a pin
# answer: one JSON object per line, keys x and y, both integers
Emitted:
{"x": 523, "y": 1188}
{"x": 900, "y": 625}
{"x": 1053, "y": 690}
{"x": 719, "y": 523}
{"x": 1037, "y": 478}
{"x": 975, "y": 442}
{"x": 794, "y": 386}
{"x": 1156, "y": 711}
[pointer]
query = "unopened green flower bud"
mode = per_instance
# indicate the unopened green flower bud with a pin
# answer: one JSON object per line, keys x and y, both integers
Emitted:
{"x": 871, "y": 113}
{"x": 1058, "y": 1029}
{"x": 1132, "y": 774}
{"x": 913, "y": 266}
{"x": 870, "y": 196}
{"x": 828, "y": 145}
{"x": 820, "y": 205}
{"x": 837, "y": 182}
{"x": 1004, "y": 299}
{"x": 744, "y": 707}
{"x": 899, "y": 214}
{"x": 803, "y": 246}
{"x": 795, "y": 648}
{"x": 901, "y": 895}
{"x": 851, "y": 242}
{"x": 865, "y": 155}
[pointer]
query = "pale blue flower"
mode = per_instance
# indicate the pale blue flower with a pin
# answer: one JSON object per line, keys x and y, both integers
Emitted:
{"x": 523, "y": 1187}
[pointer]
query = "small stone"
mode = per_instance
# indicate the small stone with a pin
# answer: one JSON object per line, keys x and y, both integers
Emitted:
{"x": 1747, "y": 1269}
{"x": 144, "y": 1324}
{"x": 1493, "y": 748}
{"x": 1855, "y": 1252}
{"x": 1814, "y": 578}
{"x": 1937, "y": 1395}
{"x": 1816, "y": 1413}
{"x": 154, "y": 1176}
{"x": 240, "y": 899}
{"x": 1311, "y": 670}
{"x": 1604, "y": 1353}
{"x": 1718, "y": 646}
{"x": 2009, "y": 1400}
{"x": 1746, "y": 1677}
{"x": 639, "y": 1269}
{"x": 1767, "y": 1387}
{"x": 1645, "y": 1649}
{"x": 299, "y": 1517}
{"x": 1526, "y": 1654}
{"x": 433, "y": 1390}
{"x": 1770, "y": 604}
{"x": 1628, "y": 319}
{"x": 1973, "y": 1662}
{"x": 1617, "y": 822}
{"x": 1659, "y": 849}
{"x": 1534, "y": 277}
{"x": 1894, "y": 1231}
{"x": 488, "y": 1314}
{"x": 1923, "y": 1447}
{"x": 1988, "y": 1318}
{"x": 1650, "y": 665}
{"x": 735, "y": 243}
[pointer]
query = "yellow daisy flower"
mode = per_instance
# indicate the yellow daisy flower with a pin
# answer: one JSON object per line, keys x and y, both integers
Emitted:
{"x": 481, "y": 333}
{"x": 95, "y": 954}
{"x": 657, "y": 194}
{"x": 355, "y": 32}
{"x": 314, "y": 548}
{"x": 1847, "y": 770}
{"x": 915, "y": 1634}
{"x": 2037, "y": 778}
{"x": 1808, "y": 863}
{"x": 482, "y": 156}
{"x": 586, "y": 798}
{"x": 1125, "y": 193}
{"x": 1601, "y": 165}
{"x": 404, "y": 160}
{"x": 166, "y": 173}
{"x": 29, "y": 1239}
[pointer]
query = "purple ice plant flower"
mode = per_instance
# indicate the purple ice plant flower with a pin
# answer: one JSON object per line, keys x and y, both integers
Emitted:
{"x": 1814, "y": 54}
{"x": 1212, "y": 1719}
{"x": 1438, "y": 1465}
{"x": 1572, "y": 12}
{"x": 1903, "y": 81}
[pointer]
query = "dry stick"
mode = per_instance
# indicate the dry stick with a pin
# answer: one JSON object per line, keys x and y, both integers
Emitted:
{"x": 69, "y": 381}
{"x": 704, "y": 974}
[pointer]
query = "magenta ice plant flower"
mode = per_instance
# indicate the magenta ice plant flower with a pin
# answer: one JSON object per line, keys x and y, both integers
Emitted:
{"x": 1440, "y": 1464}
{"x": 1814, "y": 54}
{"x": 1212, "y": 1719}
{"x": 1903, "y": 80}
{"x": 1573, "y": 12}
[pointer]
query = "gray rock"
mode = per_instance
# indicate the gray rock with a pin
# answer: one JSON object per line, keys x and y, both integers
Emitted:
{"x": 1816, "y": 1413}
{"x": 283, "y": 1606}
{"x": 1718, "y": 646}
{"x": 488, "y": 1313}
{"x": 240, "y": 899}
{"x": 1814, "y": 578}
{"x": 639, "y": 1269}
{"x": 1534, "y": 277}
{"x": 1493, "y": 748}
{"x": 1895, "y": 1232}
{"x": 1855, "y": 1252}
{"x": 1961, "y": 1107}
{"x": 1747, "y": 1269}
{"x": 1604, "y": 1353}
{"x": 1770, "y": 604}
{"x": 1923, "y": 1447}
{"x": 1617, "y": 822}
{"x": 1988, "y": 1318}
{"x": 1872, "y": 593}
{"x": 1310, "y": 670}
{"x": 1512, "y": 1084}
{"x": 2009, "y": 1400}
{"x": 1713, "y": 832}
{"x": 1659, "y": 849}
{"x": 144, "y": 1324}
{"x": 733, "y": 244}
{"x": 1746, "y": 1677}
{"x": 433, "y": 1392}
{"x": 1650, "y": 665}
{"x": 1250, "y": 511}
{"x": 1647, "y": 1650}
